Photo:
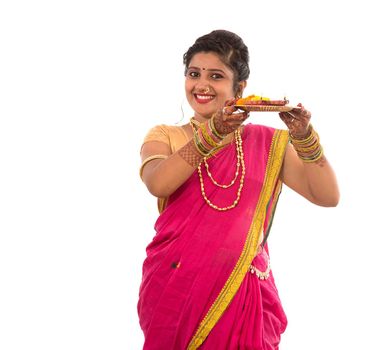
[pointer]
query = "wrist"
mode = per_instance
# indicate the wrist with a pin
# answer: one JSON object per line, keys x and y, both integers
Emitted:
{"x": 206, "y": 138}
{"x": 302, "y": 136}
{"x": 308, "y": 148}
{"x": 219, "y": 127}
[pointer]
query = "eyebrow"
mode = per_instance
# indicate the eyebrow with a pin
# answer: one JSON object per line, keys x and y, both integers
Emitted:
{"x": 209, "y": 70}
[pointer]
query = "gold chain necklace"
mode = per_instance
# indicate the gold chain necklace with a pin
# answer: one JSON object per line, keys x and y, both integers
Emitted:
{"x": 237, "y": 171}
{"x": 240, "y": 163}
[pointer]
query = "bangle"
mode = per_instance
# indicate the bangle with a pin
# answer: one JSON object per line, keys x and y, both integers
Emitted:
{"x": 213, "y": 130}
{"x": 149, "y": 159}
{"x": 308, "y": 149}
{"x": 206, "y": 139}
{"x": 200, "y": 147}
{"x": 209, "y": 136}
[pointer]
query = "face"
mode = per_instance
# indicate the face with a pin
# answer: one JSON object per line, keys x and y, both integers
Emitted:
{"x": 208, "y": 84}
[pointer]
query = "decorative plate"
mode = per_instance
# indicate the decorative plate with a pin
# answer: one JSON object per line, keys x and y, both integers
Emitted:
{"x": 266, "y": 108}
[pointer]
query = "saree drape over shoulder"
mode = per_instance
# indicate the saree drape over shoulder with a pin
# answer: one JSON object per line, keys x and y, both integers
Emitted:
{"x": 197, "y": 291}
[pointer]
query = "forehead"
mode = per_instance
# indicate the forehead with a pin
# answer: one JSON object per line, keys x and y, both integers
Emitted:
{"x": 210, "y": 61}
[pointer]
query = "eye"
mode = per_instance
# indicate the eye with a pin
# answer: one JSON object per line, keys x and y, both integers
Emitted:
{"x": 193, "y": 74}
{"x": 216, "y": 76}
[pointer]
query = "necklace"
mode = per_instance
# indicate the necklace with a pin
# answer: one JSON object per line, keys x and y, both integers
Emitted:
{"x": 240, "y": 163}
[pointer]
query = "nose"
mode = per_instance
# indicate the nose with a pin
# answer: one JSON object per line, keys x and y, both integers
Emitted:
{"x": 203, "y": 87}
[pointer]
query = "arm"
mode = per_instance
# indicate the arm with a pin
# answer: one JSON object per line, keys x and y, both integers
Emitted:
{"x": 314, "y": 179}
{"x": 163, "y": 176}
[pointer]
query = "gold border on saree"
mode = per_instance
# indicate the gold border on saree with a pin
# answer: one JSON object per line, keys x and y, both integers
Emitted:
{"x": 274, "y": 163}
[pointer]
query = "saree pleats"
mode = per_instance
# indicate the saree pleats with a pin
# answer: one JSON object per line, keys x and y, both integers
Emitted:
{"x": 196, "y": 285}
{"x": 254, "y": 320}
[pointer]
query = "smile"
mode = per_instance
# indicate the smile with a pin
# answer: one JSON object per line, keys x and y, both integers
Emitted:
{"x": 203, "y": 98}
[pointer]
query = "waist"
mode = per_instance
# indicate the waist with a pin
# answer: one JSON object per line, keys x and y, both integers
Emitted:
{"x": 261, "y": 258}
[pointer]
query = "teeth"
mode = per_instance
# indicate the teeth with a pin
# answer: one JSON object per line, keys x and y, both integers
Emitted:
{"x": 203, "y": 97}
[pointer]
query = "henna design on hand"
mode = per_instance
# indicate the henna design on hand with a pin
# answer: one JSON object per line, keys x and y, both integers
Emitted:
{"x": 221, "y": 127}
{"x": 297, "y": 121}
{"x": 226, "y": 121}
{"x": 190, "y": 154}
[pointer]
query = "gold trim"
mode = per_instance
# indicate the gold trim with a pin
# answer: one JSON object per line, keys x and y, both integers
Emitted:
{"x": 275, "y": 198}
{"x": 162, "y": 202}
{"x": 149, "y": 159}
{"x": 275, "y": 158}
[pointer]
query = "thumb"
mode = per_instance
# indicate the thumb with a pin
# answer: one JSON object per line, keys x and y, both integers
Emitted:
{"x": 230, "y": 102}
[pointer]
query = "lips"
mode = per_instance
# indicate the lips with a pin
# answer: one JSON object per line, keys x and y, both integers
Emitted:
{"x": 203, "y": 98}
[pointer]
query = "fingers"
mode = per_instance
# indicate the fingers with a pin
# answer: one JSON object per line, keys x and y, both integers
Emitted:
{"x": 300, "y": 115}
{"x": 289, "y": 115}
{"x": 230, "y": 102}
{"x": 292, "y": 116}
{"x": 236, "y": 117}
{"x": 297, "y": 120}
{"x": 287, "y": 118}
{"x": 301, "y": 112}
{"x": 229, "y": 109}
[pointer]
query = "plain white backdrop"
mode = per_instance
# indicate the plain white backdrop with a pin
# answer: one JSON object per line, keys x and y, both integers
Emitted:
{"x": 82, "y": 81}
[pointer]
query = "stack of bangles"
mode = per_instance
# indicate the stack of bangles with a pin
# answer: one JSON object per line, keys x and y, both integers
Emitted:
{"x": 206, "y": 138}
{"x": 309, "y": 148}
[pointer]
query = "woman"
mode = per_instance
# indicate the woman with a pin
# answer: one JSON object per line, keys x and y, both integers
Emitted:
{"x": 207, "y": 282}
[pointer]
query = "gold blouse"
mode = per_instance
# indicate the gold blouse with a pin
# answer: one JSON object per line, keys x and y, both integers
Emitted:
{"x": 174, "y": 136}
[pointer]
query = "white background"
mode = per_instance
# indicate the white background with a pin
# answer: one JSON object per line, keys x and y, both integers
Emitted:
{"x": 82, "y": 81}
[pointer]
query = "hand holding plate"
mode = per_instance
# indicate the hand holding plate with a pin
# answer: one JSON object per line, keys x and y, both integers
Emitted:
{"x": 297, "y": 121}
{"x": 228, "y": 119}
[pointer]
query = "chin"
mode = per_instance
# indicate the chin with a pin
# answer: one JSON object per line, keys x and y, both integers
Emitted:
{"x": 204, "y": 112}
{"x": 204, "y": 115}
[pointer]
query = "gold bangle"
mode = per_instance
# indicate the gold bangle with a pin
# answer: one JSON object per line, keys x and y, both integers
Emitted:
{"x": 207, "y": 137}
{"x": 212, "y": 126}
{"x": 149, "y": 159}
{"x": 199, "y": 146}
{"x": 306, "y": 139}
{"x": 306, "y": 148}
{"x": 309, "y": 149}
{"x": 314, "y": 157}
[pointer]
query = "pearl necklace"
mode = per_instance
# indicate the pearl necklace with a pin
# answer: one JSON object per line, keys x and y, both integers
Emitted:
{"x": 240, "y": 163}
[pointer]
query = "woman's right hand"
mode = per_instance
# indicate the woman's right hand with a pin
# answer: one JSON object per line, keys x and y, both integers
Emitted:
{"x": 228, "y": 119}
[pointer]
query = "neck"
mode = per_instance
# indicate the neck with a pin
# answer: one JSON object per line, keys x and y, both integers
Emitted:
{"x": 201, "y": 118}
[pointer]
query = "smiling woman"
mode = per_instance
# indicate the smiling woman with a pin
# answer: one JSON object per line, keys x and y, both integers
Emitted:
{"x": 208, "y": 84}
{"x": 207, "y": 280}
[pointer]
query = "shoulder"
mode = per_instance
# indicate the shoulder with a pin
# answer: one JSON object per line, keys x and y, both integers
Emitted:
{"x": 159, "y": 129}
{"x": 161, "y": 132}
{"x": 173, "y": 136}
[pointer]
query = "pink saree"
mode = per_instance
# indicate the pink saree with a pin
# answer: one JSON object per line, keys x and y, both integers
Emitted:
{"x": 197, "y": 291}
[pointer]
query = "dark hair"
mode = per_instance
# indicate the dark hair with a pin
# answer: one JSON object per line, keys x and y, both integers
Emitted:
{"x": 229, "y": 47}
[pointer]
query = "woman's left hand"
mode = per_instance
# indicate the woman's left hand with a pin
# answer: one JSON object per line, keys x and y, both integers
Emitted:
{"x": 297, "y": 121}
